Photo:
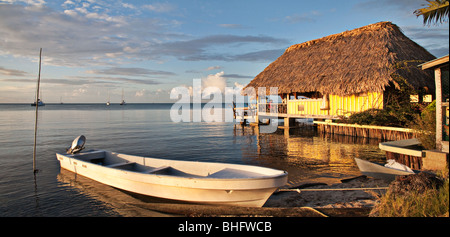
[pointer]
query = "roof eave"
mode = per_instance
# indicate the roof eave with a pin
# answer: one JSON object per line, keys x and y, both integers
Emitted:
{"x": 434, "y": 63}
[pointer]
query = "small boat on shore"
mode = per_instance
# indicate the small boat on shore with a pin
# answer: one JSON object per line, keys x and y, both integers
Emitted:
{"x": 380, "y": 171}
{"x": 188, "y": 181}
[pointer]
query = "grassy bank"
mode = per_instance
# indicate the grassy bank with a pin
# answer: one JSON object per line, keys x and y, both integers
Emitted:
{"x": 433, "y": 202}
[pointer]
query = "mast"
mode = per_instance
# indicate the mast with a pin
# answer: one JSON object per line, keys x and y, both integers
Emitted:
{"x": 37, "y": 107}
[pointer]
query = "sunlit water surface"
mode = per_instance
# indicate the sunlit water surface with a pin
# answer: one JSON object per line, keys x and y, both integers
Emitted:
{"x": 147, "y": 130}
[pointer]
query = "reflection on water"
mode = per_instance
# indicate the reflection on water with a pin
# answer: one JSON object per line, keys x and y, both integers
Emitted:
{"x": 147, "y": 130}
{"x": 123, "y": 204}
{"x": 306, "y": 155}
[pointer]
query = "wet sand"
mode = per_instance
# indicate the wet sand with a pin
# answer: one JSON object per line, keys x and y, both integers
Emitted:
{"x": 348, "y": 203}
{"x": 331, "y": 199}
{"x": 280, "y": 204}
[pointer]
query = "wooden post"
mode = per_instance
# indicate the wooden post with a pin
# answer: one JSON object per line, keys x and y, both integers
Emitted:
{"x": 257, "y": 109}
{"x": 437, "y": 79}
{"x": 37, "y": 107}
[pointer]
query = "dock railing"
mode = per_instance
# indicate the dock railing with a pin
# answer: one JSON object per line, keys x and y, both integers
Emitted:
{"x": 271, "y": 108}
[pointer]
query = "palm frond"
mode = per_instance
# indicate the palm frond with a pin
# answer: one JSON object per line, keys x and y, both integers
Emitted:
{"x": 437, "y": 11}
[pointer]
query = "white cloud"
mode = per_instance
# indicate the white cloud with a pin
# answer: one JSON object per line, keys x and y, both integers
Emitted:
{"x": 67, "y": 3}
{"x": 140, "y": 93}
{"x": 29, "y": 2}
{"x": 82, "y": 34}
{"x": 79, "y": 91}
{"x": 160, "y": 7}
{"x": 215, "y": 81}
{"x": 213, "y": 68}
{"x": 71, "y": 13}
{"x": 127, "y": 5}
{"x": 69, "y": 39}
{"x": 12, "y": 72}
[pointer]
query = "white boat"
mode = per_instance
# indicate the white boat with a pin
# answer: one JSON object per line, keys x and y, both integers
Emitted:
{"x": 39, "y": 103}
{"x": 380, "y": 171}
{"x": 123, "y": 101}
{"x": 187, "y": 181}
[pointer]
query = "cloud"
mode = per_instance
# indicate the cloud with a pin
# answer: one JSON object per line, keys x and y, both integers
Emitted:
{"x": 205, "y": 48}
{"x": 435, "y": 39}
{"x": 215, "y": 80}
{"x": 403, "y": 8}
{"x": 80, "y": 91}
{"x": 29, "y": 2}
{"x": 128, "y": 5}
{"x": 141, "y": 72}
{"x": 237, "y": 76}
{"x": 82, "y": 80}
{"x": 12, "y": 72}
{"x": 383, "y": 4}
{"x": 213, "y": 68}
{"x": 261, "y": 56}
{"x": 140, "y": 93}
{"x": 82, "y": 35}
{"x": 233, "y": 26}
{"x": 77, "y": 36}
{"x": 160, "y": 7}
{"x": 296, "y": 18}
{"x": 109, "y": 80}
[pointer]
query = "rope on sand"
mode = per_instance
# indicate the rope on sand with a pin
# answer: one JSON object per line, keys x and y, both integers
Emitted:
{"x": 315, "y": 211}
{"x": 328, "y": 189}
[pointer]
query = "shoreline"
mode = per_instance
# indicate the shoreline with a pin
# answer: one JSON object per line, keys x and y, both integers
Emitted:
{"x": 348, "y": 203}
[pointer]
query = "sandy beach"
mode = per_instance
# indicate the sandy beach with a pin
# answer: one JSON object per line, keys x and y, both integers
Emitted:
{"x": 329, "y": 203}
{"x": 331, "y": 198}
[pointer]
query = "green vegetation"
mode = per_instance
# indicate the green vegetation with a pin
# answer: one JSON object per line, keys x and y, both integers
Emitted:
{"x": 431, "y": 202}
{"x": 407, "y": 116}
{"x": 400, "y": 117}
{"x": 398, "y": 111}
{"x": 425, "y": 126}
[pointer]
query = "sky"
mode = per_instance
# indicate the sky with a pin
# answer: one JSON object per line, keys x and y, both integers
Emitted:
{"x": 95, "y": 49}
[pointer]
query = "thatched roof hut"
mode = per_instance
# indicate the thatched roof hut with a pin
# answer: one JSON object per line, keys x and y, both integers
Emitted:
{"x": 351, "y": 62}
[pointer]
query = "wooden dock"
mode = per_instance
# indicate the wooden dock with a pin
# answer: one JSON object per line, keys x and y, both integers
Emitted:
{"x": 407, "y": 152}
{"x": 370, "y": 131}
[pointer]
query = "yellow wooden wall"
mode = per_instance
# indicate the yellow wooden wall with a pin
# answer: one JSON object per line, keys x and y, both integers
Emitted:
{"x": 338, "y": 105}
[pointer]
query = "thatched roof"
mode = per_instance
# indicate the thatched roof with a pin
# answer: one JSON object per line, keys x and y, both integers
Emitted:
{"x": 356, "y": 61}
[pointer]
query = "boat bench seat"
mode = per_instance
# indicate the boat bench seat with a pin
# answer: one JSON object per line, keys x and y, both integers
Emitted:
{"x": 121, "y": 165}
{"x": 158, "y": 170}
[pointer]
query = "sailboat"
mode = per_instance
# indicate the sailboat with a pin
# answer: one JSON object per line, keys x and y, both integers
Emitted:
{"x": 108, "y": 103}
{"x": 123, "y": 101}
{"x": 39, "y": 102}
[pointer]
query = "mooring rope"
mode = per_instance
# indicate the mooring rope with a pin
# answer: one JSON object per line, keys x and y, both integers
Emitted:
{"x": 298, "y": 190}
{"x": 315, "y": 211}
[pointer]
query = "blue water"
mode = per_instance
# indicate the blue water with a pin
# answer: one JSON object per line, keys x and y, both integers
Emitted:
{"x": 146, "y": 129}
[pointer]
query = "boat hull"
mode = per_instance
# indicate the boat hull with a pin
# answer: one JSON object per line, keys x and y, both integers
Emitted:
{"x": 187, "y": 187}
{"x": 379, "y": 171}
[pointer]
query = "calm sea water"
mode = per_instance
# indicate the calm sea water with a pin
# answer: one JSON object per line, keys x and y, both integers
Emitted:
{"x": 146, "y": 129}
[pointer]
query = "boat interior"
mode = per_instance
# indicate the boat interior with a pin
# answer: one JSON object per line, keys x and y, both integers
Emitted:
{"x": 117, "y": 162}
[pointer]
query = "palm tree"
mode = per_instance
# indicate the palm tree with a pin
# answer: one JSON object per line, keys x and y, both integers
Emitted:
{"x": 436, "y": 11}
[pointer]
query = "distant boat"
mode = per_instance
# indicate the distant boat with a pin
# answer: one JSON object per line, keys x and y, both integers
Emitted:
{"x": 380, "y": 171}
{"x": 108, "y": 103}
{"x": 123, "y": 101}
{"x": 39, "y": 103}
{"x": 187, "y": 181}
